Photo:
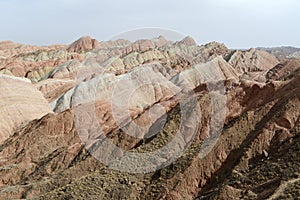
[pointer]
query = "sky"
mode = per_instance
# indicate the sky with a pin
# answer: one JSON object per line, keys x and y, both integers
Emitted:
{"x": 236, "y": 23}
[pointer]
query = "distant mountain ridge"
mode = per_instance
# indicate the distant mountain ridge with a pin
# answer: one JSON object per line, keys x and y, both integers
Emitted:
{"x": 282, "y": 52}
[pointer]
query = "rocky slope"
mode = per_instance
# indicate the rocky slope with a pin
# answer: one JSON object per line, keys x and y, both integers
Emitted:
{"x": 151, "y": 119}
{"x": 20, "y": 103}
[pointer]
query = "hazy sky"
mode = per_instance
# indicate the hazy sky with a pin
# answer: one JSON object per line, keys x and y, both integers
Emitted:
{"x": 237, "y": 23}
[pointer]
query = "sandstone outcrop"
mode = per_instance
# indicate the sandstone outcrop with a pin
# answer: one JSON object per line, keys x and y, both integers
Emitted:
{"x": 21, "y": 102}
{"x": 284, "y": 70}
{"x": 252, "y": 63}
{"x": 83, "y": 44}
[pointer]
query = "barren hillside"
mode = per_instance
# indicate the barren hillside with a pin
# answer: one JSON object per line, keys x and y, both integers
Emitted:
{"x": 150, "y": 119}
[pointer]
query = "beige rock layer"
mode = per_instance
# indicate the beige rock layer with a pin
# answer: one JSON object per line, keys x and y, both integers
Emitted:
{"x": 20, "y": 103}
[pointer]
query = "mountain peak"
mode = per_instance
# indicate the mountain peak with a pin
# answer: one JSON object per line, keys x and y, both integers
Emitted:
{"x": 85, "y": 43}
{"x": 188, "y": 41}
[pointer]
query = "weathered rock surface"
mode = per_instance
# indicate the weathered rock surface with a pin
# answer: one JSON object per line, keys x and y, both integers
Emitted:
{"x": 36, "y": 65}
{"x": 237, "y": 112}
{"x": 285, "y": 70}
{"x": 21, "y": 102}
{"x": 5, "y": 45}
{"x": 252, "y": 63}
{"x": 54, "y": 88}
{"x": 83, "y": 44}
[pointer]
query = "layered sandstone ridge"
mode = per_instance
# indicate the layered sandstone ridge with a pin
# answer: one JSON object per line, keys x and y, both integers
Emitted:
{"x": 21, "y": 102}
{"x": 83, "y": 44}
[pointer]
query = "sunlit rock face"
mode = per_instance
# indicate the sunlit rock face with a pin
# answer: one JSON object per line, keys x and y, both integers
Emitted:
{"x": 20, "y": 103}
